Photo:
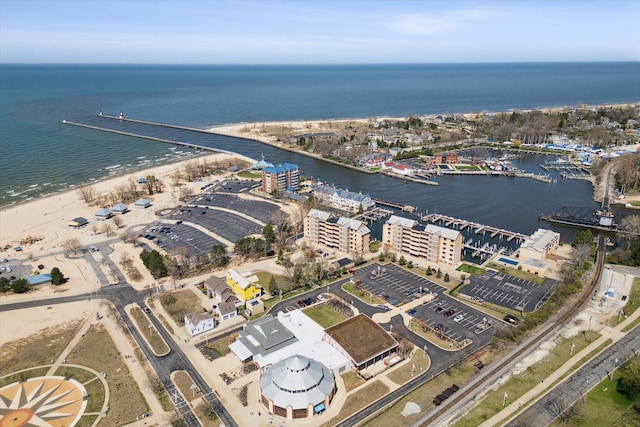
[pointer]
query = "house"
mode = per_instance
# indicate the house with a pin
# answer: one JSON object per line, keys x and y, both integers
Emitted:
{"x": 142, "y": 203}
{"x": 446, "y": 158}
{"x": 226, "y": 311}
{"x": 402, "y": 169}
{"x": 78, "y": 222}
{"x": 103, "y": 214}
{"x": 120, "y": 209}
{"x": 245, "y": 287}
{"x": 39, "y": 279}
{"x": 197, "y": 323}
{"x": 219, "y": 290}
{"x": 255, "y": 306}
{"x": 539, "y": 245}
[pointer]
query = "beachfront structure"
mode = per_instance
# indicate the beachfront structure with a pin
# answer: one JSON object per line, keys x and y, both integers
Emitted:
{"x": 361, "y": 340}
{"x": 280, "y": 178}
{"x": 142, "y": 203}
{"x": 539, "y": 245}
{"x": 297, "y": 388}
{"x": 245, "y": 287}
{"x": 78, "y": 222}
{"x": 344, "y": 234}
{"x": 435, "y": 244}
{"x": 197, "y": 323}
{"x": 343, "y": 199}
{"x": 103, "y": 214}
{"x": 120, "y": 209}
{"x": 446, "y": 158}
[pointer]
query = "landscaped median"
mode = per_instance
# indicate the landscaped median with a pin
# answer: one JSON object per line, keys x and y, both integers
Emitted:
{"x": 157, "y": 344}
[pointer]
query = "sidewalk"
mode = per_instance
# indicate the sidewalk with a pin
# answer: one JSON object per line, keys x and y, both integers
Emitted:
{"x": 539, "y": 391}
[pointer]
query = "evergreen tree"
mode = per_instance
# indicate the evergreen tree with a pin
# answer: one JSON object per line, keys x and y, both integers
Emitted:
{"x": 20, "y": 286}
{"x": 5, "y": 285}
{"x": 57, "y": 278}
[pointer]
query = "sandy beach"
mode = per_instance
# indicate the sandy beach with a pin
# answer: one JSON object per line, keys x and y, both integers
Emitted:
{"x": 46, "y": 221}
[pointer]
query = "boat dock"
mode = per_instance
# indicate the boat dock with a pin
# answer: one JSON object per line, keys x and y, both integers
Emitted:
{"x": 404, "y": 208}
{"x": 479, "y": 228}
{"x": 373, "y": 214}
{"x": 517, "y": 174}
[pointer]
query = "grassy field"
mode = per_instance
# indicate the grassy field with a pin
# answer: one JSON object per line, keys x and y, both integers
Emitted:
{"x": 603, "y": 406}
{"x": 180, "y": 303}
{"x": 351, "y": 380}
{"x": 38, "y": 349}
{"x": 423, "y": 396}
{"x": 96, "y": 391}
{"x": 22, "y": 376}
{"x": 633, "y": 301}
{"x": 249, "y": 175}
{"x": 98, "y": 351}
{"x": 157, "y": 343}
{"x": 206, "y": 415}
{"x": 525, "y": 381}
{"x": 357, "y": 401}
{"x": 221, "y": 346}
{"x": 402, "y": 374}
{"x": 324, "y": 315}
{"x": 471, "y": 269}
{"x": 517, "y": 273}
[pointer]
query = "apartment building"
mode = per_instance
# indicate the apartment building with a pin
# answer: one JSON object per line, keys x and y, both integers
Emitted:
{"x": 344, "y": 234}
{"x": 434, "y": 244}
{"x": 280, "y": 178}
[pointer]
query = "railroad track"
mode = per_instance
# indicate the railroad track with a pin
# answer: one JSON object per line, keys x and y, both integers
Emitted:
{"x": 586, "y": 293}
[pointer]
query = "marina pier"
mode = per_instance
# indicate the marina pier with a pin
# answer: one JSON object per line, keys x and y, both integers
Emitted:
{"x": 461, "y": 224}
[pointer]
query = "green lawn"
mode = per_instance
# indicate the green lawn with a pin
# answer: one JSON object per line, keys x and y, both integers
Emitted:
{"x": 633, "y": 301}
{"x": 471, "y": 269}
{"x": 249, "y": 175}
{"x": 324, "y": 315}
{"x": 467, "y": 168}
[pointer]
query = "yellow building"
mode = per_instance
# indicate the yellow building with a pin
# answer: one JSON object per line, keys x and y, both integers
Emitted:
{"x": 245, "y": 287}
{"x": 435, "y": 244}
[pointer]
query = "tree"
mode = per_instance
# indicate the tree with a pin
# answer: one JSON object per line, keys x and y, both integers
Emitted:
{"x": 402, "y": 260}
{"x": 429, "y": 271}
{"x": 439, "y": 273}
{"x": 582, "y": 253}
{"x": 630, "y": 228}
{"x": 88, "y": 194}
{"x": 154, "y": 263}
{"x": 269, "y": 234}
{"x": 5, "y": 285}
{"x": 446, "y": 277}
{"x": 57, "y": 278}
{"x": 219, "y": 257}
{"x": 381, "y": 257}
{"x": 583, "y": 238}
{"x": 629, "y": 383}
{"x": 72, "y": 246}
{"x": 117, "y": 221}
{"x": 20, "y": 286}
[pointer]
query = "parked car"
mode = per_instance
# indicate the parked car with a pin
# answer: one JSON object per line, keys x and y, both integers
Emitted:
{"x": 438, "y": 309}
{"x": 438, "y": 327}
{"x": 511, "y": 319}
{"x": 440, "y": 302}
{"x": 448, "y": 313}
{"x": 458, "y": 318}
{"x": 382, "y": 306}
{"x": 411, "y": 312}
{"x": 320, "y": 297}
{"x": 147, "y": 310}
{"x": 301, "y": 304}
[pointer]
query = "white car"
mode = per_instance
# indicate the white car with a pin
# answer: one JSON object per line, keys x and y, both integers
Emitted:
{"x": 320, "y": 297}
{"x": 458, "y": 318}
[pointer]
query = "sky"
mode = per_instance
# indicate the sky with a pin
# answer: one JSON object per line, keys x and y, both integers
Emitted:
{"x": 317, "y": 32}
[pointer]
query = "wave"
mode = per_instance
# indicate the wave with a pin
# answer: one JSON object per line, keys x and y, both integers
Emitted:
{"x": 112, "y": 167}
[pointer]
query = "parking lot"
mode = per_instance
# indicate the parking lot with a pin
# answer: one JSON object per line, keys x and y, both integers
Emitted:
{"x": 508, "y": 291}
{"x": 261, "y": 210}
{"x": 172, "y": 238}
{"x": 230, "y": 186}
{"x": 397, "y": 285}
{"x": 227, "y": 225}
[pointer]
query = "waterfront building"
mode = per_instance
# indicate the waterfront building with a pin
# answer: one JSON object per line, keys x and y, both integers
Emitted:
{"x": 343, "y": 199}
{"x": 539, "y": 245}
{"x": 344, "y": 234}
{"x": 433, "y": 243}
{"x": 280, "y": 178}
{"x": 446, "y": 158}
{"x": 245, "y": 287}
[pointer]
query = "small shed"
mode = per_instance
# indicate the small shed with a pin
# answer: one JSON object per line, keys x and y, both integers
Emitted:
{"x": 142, "y": 203}
{"x": 39, "y": 279}
{"x": 78, "y": 222}
{"x": 120, "y": 209}
{"x": 103, "y": 214}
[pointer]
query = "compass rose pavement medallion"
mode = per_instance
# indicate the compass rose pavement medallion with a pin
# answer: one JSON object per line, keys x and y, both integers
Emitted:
{"x": 42, "y": 402}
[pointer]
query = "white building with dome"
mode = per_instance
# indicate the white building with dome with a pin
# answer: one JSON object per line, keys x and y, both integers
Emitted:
{"x": 297, "y": 387}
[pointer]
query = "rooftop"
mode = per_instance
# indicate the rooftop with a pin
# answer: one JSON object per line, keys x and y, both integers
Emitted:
{"x": 361, "y": 338}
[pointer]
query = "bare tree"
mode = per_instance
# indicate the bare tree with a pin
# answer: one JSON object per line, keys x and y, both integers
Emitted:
{"x": 88, "y": 194}
{"x": 107, "y": 229}
{"x": 117, "y": 221}
{"x": 72, "y": 246}
{"x": 581, "y": 254}
{"x": 564, "y": 410}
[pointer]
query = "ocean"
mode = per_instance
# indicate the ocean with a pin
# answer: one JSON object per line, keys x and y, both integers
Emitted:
{"x": 41, "y": 155}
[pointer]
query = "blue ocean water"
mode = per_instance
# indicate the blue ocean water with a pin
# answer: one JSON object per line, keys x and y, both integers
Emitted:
{"x": 41, "y": 155}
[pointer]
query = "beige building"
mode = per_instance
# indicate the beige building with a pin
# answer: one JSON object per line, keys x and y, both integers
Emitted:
{"x": 541, "y": 243}
{"x": 344, "y": 234}
{"x": 435, "y": 244}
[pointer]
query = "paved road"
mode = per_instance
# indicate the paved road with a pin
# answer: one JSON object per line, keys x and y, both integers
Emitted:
{"x": 544, "y": 411}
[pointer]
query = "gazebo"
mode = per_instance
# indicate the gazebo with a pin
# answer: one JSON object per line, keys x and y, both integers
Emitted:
{"x": 104, "y": 214}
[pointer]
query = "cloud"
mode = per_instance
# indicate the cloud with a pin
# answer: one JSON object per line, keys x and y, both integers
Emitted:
{"x": 429, "y": 24}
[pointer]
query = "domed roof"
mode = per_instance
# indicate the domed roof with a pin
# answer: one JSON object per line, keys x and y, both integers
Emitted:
{"x": 297, "y": 382}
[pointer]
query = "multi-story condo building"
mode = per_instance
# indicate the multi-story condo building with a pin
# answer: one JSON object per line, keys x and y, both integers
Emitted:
{"x": 344, "y": 234}
{"x": 435, "y": 244}
{"x": 343, "y": 199}
{"x": 280, "y": 178}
